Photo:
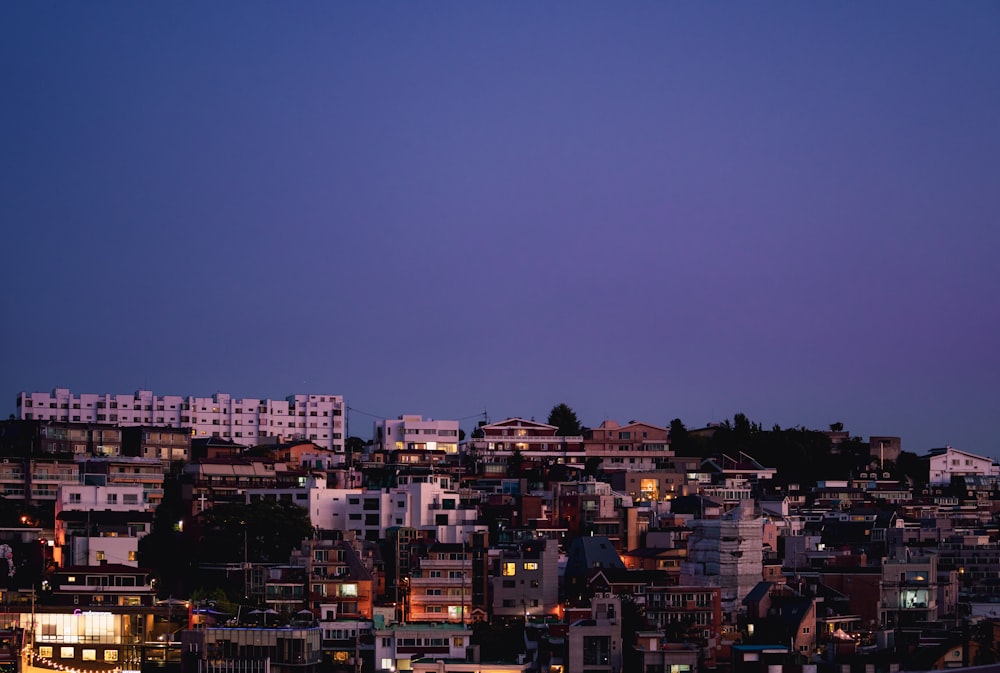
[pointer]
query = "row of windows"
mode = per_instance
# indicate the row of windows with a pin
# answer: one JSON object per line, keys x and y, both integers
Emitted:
{"x": 127, "y": 498}
{"x": 69, "y": 652}
{"x": 509, "y": 568}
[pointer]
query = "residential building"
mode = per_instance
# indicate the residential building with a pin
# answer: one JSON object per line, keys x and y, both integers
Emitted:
{"x": 104, "y": 584}
{"x": 526, "y": 580}
{"x": 440, "y": 584}
{"x": 339, "y": 579}
{"x": 171, "y": 446}
{"x": 411, "y": 432}
{"x": 595, "y": 644}
{"x": 534, "y": 441}
{"x": 691, "y": 614}
{"x": 396, "y": 645}
{"x": 948, "y": 462}
{"x": 97, "y": 524}
{"x": 253, "y": 650}
{"x": 726, "y": 552}
{"x": 634, "y": 447}
{"x": 909, "y": 590}
{"x": 146, "y": 473}
{"x": 318, "y": 418}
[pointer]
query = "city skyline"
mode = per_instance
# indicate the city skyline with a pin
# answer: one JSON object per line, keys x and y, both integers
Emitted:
{"x": 642, "y": 211}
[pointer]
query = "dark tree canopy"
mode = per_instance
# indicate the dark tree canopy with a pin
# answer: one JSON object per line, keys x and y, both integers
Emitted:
{"x": 272, "y": 529}
{"x": 354, "y": 445}
{"x": 680, "y": 440}
{"x": 564, "y": 418}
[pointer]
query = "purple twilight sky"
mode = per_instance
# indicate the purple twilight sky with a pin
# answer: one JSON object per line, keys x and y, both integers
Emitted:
{"x": 646, "y": 210}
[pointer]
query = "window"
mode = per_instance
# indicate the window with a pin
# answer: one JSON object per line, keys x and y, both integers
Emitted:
{"x": 74, "y": 497}
{"x": 133, "y": 556}
{"x": 89, "y": 655}
{"x": 99, "y": 555}
{"x": 112, "y": 498}
{"x": 530, "y": 565}
{"x": 509, "y": 569}
{"x": 67, "y": 652}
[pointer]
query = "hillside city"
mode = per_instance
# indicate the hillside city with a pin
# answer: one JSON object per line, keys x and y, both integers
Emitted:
{"x": 144, "y": 532}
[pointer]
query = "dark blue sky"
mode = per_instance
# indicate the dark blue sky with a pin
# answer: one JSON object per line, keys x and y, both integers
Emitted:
{"x": 644, "y": 210}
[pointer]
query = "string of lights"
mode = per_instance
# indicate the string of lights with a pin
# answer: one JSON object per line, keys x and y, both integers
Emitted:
{"x": 55, "y": 665}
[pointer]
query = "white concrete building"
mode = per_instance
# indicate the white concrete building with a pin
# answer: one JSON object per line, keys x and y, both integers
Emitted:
{"x": 416, "y": 433}
{"x": 424, "y": 502}
{"x": 317, "y": 418}
{"x": 948, "y": 462}
{"x": 100, "y": 524}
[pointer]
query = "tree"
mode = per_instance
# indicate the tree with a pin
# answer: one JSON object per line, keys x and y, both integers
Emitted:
{"x": 354, "y": 445}
{"x": 515, "y": 463}
{"x": 680, "y": 441}
{"x": 837, "y": 427}
{"x": 592, "y": 467}
{"x": 564, "y": 418}
{"x": 270, "y": 530}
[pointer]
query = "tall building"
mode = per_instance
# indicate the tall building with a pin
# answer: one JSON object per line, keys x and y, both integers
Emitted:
{"x": 726, "y": 552}
{"x": 317, "y": 418}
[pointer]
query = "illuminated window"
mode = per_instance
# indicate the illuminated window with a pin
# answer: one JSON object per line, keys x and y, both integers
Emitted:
{"x": 89, "y": 655}
{"x": 45, "y": 651}
{"x": 530, "y": 565}
{"x": 66, "y": 652}
{"x": 349, "y": 590}
{"x": 509, "y": 569}
{"x": 99, "y": 555}
{"x": 110, "y": 655}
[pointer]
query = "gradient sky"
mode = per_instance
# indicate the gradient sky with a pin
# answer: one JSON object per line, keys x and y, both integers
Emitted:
{"x": 644, "y": 210}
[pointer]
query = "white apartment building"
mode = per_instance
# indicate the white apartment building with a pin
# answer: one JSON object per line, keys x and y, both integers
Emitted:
{"x": 416, "y": 433}
{"x": 95, "y": 524}
{"x": 948, "y": 462}
{"x": 424, "y": 502}
{"x": 317, "y": 418}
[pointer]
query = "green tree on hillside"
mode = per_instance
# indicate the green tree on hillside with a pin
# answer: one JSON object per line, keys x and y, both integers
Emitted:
{"x": 564, "y": 418}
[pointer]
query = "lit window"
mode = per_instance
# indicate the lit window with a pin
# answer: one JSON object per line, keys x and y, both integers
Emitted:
{"x": 509, "y": 569}
{"x": 89, "y": 655}
{"x": 530, "y": 565}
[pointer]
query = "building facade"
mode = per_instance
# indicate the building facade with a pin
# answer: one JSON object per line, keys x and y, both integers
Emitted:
{"x": 318, "y": 418}
{"x": 416, "y": 433}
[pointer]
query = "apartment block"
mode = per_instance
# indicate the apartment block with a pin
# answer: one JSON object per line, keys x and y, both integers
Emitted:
{"x": 317, "y": 418}
{"x": 415, "y": 433}
{"x": 635, "y": 446}
{"x": 526, "y": 580}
